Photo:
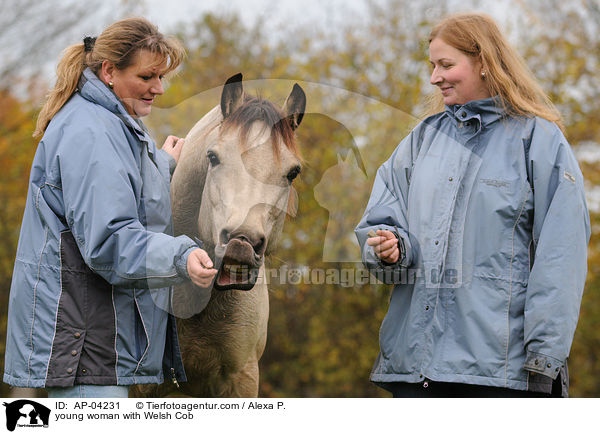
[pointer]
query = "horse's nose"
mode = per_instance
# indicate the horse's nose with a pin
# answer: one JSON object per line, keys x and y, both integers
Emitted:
{"x": 254, "y": 238}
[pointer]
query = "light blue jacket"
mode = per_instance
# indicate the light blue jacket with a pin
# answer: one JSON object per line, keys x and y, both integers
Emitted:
{"x": 491, "y": 215}
{"x": 94, "y": 239}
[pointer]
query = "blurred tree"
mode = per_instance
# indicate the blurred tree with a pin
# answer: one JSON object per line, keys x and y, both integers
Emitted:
{"x": 30, "y": 31}
{"x": 17, "y": 148}
{"x": 365, "y": 84}
{"x": 563, "y": 50}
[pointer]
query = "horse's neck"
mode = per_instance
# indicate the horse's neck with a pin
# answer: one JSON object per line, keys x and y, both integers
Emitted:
{"x": 232, "y": 313}
{"x": 187, "y": 183}
{"x": 237, "y": 304}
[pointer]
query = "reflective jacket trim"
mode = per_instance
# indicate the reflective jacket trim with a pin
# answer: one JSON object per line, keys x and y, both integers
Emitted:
{"x": 60, "y": 261}
{"x": 34, "y": 302}
{"x": 510, "y": 287}
{"x": 112, "y": 297}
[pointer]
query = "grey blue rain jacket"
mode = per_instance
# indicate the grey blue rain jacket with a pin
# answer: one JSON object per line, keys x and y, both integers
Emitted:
{"x": 491, "y": 216}
{"x": 93, "y": 241}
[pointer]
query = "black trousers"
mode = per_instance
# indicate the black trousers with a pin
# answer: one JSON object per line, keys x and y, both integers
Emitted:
{"x": 436, "y": 389}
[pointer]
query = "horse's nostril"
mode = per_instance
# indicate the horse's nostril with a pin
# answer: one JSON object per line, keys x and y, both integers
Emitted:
{"x": 259, "y": 246}
{"x": 224, "y": 238}
{"x": 257, "y": 241}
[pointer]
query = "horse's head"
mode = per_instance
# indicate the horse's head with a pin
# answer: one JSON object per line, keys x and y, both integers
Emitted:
{"x": 250, "y": 160}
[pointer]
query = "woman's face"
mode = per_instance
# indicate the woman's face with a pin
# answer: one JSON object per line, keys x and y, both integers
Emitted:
{"x": 456, "y": 74}
{"x": 138, "y": 84}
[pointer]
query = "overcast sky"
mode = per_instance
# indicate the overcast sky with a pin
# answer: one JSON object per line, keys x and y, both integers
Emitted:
{"x": 170, "y": 12}
{"x": 329, "y": 15}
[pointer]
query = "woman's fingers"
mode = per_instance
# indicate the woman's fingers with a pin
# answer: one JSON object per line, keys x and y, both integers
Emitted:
{"x": 203, "y": 258}
{"x": 387, "y": 234}
{"x": 385, "y": 245}
{"x": 387, "y": 250}
{"x": 173, "y": 146}
{"x": 170, "y": 142}
{"x": 200, "y": 269}
{"x": 392, "y": 255}
{"x": 375, "y": 241}
{"x": 381, "y": 244}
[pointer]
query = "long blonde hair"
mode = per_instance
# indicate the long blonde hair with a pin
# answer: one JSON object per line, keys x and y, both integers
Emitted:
{"x": 506, "y": 73}
{"x": 119, "y": 43}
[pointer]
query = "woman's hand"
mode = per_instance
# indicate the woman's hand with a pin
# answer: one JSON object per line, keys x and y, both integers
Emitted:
{"x": 385, "y": 246}
{"x": 199, "y": 267}
{"x": 173, "y": 146}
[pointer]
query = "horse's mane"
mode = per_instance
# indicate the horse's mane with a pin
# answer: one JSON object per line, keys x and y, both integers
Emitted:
{"x": 255, "y": 109}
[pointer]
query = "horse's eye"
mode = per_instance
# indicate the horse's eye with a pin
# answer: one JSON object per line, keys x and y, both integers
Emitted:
{"x": 212, "y": 158}
{"x": 293, "y": 173}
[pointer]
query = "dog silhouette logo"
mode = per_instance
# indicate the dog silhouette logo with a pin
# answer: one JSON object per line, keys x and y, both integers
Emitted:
{"x": 26, "y": 413}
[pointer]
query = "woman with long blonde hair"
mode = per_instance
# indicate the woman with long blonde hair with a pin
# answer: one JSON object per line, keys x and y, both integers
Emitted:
{"x": 479, "y": 220}
{"x": 89, "y": 301}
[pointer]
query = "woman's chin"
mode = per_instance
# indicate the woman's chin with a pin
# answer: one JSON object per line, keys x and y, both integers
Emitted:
{"x": 142, "y": 111}
{"x": 449, "y": 100}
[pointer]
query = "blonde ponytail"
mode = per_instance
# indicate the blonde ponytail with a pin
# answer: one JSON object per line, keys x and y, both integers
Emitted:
{"x": 68, "y": 71}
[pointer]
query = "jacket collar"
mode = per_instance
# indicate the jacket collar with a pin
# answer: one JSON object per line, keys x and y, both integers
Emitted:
{"x": 487, "y": 110}
{"x": 94, "y": 90}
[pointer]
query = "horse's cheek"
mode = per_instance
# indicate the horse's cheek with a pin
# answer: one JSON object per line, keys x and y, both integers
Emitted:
{"x": 216, "y": 197}
{"x": 281, "y": 206}
{"x": 209, "y": 207}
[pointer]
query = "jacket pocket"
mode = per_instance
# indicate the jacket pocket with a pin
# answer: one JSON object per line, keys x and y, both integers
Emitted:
{"x": 141, "y": 336}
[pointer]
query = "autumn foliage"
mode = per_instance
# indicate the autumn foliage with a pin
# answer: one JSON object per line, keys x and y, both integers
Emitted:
{"x": 366, "y": 86}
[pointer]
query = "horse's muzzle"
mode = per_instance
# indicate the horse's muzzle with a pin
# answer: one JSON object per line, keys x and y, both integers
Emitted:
{"x": 239, "y": 267}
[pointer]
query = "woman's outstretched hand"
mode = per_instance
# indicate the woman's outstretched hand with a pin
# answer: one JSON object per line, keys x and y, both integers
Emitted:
{"x": 385, "y": 246}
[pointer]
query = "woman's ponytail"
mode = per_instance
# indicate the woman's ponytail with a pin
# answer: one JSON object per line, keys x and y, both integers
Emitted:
{"x": 69, "y": 70}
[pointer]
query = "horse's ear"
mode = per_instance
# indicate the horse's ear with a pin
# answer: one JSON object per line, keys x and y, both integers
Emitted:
{"x": 294, "y": 106}
{"x": 232, "y": 96}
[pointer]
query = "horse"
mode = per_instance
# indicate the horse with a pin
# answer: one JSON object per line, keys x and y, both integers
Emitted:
{"x": 232, "y": 189}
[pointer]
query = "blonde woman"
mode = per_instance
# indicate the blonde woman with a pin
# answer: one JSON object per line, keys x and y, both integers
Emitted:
{"x": 480, "y": 221}
{"x": 89, "y": 297}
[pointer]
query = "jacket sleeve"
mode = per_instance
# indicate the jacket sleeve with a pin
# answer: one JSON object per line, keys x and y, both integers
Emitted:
{"x": 98, "y": 169}
{"x": 387, "y": 209}
{"x": 561, "y": 232}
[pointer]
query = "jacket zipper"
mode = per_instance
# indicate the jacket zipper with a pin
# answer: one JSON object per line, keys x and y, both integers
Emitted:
{"x": 174, "y": 379}
{"x": 173, "y": 376}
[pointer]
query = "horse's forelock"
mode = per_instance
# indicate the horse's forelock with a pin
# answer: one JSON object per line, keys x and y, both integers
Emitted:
{"x": 256, "y": 109}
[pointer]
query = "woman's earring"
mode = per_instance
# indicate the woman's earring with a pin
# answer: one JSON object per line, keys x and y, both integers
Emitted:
{"x": 483, "y": 75}
{"x": 111, "y": 84}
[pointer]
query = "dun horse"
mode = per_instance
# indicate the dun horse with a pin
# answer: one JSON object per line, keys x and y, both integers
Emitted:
{"x": 231, "y": 189}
